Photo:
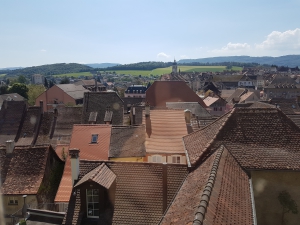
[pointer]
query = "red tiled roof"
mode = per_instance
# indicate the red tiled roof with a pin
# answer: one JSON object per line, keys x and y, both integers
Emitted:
{"x": 161, "y": 92}
{"x": 81, "y": 138}
{"x": 101, "y": 175}
{"x": 142, "y": 191}
{"x": 217, "y": 192}
{"x": 259, "y": 138}
{"x": 25, "y": 171}
{"x": 165, "y": 129}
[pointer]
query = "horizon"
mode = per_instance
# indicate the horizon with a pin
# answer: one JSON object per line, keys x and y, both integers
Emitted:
{"x": 41, "y": 33}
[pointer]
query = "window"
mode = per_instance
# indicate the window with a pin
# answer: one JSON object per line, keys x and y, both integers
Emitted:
{"x": 92, "y": 202}
{"x": 94, "y": 138}
{"x": 175, "y": 159}
{"x": 12, "y": 201}
{"x": 156, "y": 159}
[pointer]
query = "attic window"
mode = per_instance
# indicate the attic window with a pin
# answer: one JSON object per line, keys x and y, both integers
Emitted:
{"x": 94, "y": 138}
{"x": 12, "y": 201}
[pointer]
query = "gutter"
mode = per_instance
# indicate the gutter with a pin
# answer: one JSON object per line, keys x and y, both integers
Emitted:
{"x": 252, "y": 202}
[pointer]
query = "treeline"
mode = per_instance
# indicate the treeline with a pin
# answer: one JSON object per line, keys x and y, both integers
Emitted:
{"x": 52, "y": 69}
{"x": 227, "y": 64}
{"x": 139, "y": 66}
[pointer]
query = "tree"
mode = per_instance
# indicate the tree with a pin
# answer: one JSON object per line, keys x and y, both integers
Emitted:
{"x": 65, "y": 80}
{"x": 51, "y": 83}
{"x": 33, "y": 92}
{"x": 46, "y": 83}
{"x": 22, "y": 79}
{"x": 21, "y": 89}
{"x": 287, "y": 203}
{"x": 3, "y": 90}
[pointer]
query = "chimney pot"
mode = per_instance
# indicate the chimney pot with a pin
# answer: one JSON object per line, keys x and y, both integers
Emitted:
{"x": 74, "y": 154}
{"x": 10, "y": 145}
{"x": 187, "y": 115}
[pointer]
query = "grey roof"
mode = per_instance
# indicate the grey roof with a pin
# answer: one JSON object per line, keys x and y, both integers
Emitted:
{"x": 194, "y": 107}
{"x": 99, "y": 102}
{"x": 11, "y": 97}
{"x": 75, "y": 91}
{"x": 283, "y": 82}
{"x": 127, "y": 141}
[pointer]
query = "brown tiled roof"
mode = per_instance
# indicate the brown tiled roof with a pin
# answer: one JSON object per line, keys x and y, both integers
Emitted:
{"x": 25, "y": 171}
{"x": 98, "y": 102}
{"x": 165, "y": 129}
{"x": 141, "y": 195}
{"x": 259, "y": 138}
{"x": 236, "y": 95}
{"x": 10, "y": 119}
{"x": 67, "y": 117}
{"x": 127, "y": 141}
{"x": 30, "y": 126}
{"x": 161, "y": 92}
{"x": 81, "y": 138}
{"x": 101, "y": 175}
{"x": 288, "y": 106}
{"x": 45, "y": 128}
{"x": 217, "y": 192}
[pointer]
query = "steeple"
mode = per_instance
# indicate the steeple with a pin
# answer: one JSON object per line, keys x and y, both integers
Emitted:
{"x": 174, "y": 67}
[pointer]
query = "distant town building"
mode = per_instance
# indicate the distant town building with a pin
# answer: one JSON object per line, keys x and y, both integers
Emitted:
{"x": 174, "y": 67}
{"x": 137, "y": 91}
{"x": 37, "y": 79}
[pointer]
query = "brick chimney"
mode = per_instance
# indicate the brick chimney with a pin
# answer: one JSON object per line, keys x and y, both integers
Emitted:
{"x": 147, "y": 109}
{"x": 10, "y": 145}
{"x": 74, "y": 154}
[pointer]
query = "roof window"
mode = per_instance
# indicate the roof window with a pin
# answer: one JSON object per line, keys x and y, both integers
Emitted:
{"x": 94, "y": 138}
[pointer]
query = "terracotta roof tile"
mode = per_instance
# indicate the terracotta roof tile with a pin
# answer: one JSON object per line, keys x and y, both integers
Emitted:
{"x": 81, "y": 138}
{"x": 217, "y": 192}
{"x": 26, "y": 171}
{"x": 259, "y": 138}
{"x": 139, "y": 191}
{"x": 101, "y": 175}
{"x": 165, "y": 129}
{"x": 161, "y": 92}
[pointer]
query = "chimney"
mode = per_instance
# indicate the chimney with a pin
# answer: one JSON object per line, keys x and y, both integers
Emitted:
{"x": 5, "y": 104}
{"x": 74, "y": 154}
{"x": 96, "y": 85}
{"x": 147, "y": 109}
{"x": 10, "y": 145}
{"x": 133, "y": 115}
{"x": 187, "y": 115}
{"x": 42, "y": 106}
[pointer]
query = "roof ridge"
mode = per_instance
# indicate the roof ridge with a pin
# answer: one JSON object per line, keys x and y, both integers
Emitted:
{"x": 200, "y": 213}
{"x": 97, "y": 170}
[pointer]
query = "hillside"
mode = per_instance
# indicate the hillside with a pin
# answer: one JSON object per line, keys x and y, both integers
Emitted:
{"x": 51, "y": 69}
{"x": 287, "y": 60}
{"x": 102, "y": 65}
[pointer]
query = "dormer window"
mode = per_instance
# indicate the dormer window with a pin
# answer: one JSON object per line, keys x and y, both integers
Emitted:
{"x": 94, "y": 138}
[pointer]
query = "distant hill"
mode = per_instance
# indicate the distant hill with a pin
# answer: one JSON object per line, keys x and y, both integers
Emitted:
{"x": 11, "y": 68}
{"x": 102, "y": 65}
{"x": 287, "y": 60}
{"x": 52, "y": 69}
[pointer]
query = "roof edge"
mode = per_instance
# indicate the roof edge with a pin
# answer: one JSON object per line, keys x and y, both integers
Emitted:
{"x": 200, "y": 213}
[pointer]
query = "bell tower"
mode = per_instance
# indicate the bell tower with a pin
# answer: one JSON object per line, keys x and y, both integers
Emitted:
{"x": 174, "y": 67}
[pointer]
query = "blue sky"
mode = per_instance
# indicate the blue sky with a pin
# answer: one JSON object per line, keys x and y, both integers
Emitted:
{"x": 127, "y": 31}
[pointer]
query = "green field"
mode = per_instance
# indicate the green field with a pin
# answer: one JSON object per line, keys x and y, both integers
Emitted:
{"x": 154, "y": 72}
{"x": 161, "y": 71}
{"x": 75, "y": 75}
{"x": 2, "y": 75}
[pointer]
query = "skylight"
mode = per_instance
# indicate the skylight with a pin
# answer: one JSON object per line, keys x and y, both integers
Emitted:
{"x": 94, "y": 138}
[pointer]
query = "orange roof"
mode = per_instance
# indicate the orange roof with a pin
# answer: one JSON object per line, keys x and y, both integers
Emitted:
{"x": 167, "y": 130}
{"x": 81, "y": 138}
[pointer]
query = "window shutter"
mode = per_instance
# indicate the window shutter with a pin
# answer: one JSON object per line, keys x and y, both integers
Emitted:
{"x": 182, "y": 160}
{"x": 164, "y": 159}
{"x": 169, "y": 159}
{"x": 149, "y": 158}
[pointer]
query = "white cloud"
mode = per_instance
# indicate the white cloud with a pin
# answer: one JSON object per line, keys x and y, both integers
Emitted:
{"x": 163, "y": 55}
{"x": 184, "y": 57}
{"x": 43, "y": 50}
{"x": 276, "y": 40}
{"x": 232, "y": 48}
